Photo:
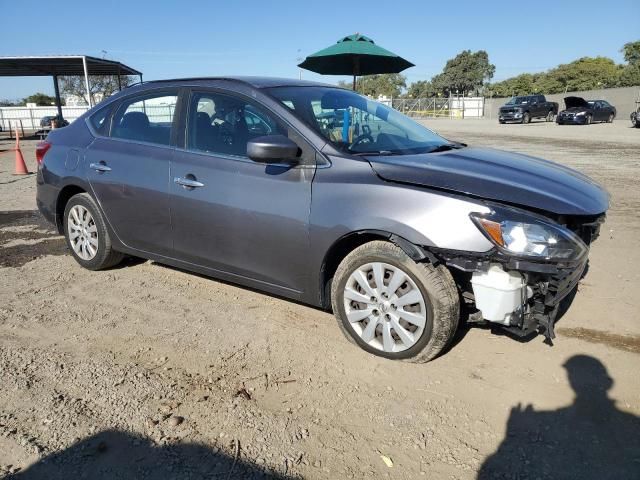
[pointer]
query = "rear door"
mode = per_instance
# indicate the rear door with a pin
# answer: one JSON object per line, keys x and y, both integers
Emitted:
{"x": 600, "y": 113}
{"x": 231, "y": 214}
{"x": 541, "y": 108}
{"x": 129, "y": 170}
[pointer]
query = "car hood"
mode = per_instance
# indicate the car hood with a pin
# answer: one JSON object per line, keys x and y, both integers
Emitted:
{"x": 572, "y": 102}
{"x": 497, "y": 175}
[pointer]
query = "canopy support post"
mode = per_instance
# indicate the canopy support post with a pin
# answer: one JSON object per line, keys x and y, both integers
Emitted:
{"x": 86, "y": 81}
{"x": 56, "y": 89}
{"x": 354, "y": 83}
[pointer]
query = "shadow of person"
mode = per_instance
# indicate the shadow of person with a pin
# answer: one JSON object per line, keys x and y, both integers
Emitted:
{"x": 114, "y": 454}
{"x": 590, "y": 439}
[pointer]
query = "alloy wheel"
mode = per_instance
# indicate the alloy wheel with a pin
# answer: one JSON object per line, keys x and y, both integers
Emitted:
{"x": 83, "y": 232}
{"x": 385, "y": 307}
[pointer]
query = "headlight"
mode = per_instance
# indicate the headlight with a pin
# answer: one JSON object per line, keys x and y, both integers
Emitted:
{"x": 527, "y": 236}
{"x": 580, "y": 113}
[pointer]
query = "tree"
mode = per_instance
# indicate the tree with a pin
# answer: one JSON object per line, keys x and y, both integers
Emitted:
{"x": 466, "y": 72}
{"x": 40, "y": 99}
{"x": 100, "y": 87}
{"x": 630, "y": 75}
{"x": 631, "y": 52}
{"x": 422, "y": 89}
{"x": 521, "y": 85}
{"x": 586, "y": 73}
{"x": 387, "y": 84}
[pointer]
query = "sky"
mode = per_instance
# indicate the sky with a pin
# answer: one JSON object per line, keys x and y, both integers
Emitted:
{"x": 169, "y": 39}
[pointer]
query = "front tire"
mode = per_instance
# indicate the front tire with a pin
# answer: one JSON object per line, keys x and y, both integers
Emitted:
{"x": 588, "y": 120}
{"x": 393, "y": 307}
{"x": 526, "y": 118}
{"x": 86, "y": 234}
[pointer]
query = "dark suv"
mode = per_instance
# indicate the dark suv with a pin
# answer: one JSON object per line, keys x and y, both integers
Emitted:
{"x": 318, "y": 194}
{"x": 522, "y": 109}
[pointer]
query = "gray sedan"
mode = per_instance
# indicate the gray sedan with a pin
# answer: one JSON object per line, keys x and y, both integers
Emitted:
{"x": 320, "y": 195}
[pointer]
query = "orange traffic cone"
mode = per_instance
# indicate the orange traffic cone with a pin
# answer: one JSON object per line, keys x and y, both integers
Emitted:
{"x": 21, "y": 167}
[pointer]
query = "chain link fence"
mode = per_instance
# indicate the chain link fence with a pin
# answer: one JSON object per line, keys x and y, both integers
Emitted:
{"x": 447, "y": 107}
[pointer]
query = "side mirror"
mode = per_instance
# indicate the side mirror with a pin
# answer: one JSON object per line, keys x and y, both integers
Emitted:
{"x": 273, "y": 149}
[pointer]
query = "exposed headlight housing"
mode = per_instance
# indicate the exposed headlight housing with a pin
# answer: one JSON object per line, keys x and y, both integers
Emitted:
{"x": 521, "y": 235}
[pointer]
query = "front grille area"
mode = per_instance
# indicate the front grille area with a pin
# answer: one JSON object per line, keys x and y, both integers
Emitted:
{"x": 562, "y": 283}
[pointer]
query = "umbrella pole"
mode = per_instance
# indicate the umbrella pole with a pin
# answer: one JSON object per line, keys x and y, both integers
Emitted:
{"x": 354, "y": 83}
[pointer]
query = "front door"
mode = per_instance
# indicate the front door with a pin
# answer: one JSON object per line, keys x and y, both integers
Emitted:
{"x": 234, "y": 215}
{"x": 129, "y": 171}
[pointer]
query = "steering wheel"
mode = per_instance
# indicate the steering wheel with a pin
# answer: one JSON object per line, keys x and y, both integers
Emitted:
{"x": 364, "y": 138}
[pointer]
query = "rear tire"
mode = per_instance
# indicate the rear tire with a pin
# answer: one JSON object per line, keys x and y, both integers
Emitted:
{"x": 526, "y": 118}
{"x": 434, "y": 286}
{"x": 550, "y": 116}
{"x": 610, "y": 119}
{"x": 86, "y": 234}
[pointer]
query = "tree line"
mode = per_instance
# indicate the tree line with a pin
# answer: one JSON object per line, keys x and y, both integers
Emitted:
{"x": 469, "y": 73}
{"x": 587, "y": 73}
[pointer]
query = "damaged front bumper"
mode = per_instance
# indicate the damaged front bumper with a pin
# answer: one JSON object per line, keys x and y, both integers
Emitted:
{"x": 533, "y": 297}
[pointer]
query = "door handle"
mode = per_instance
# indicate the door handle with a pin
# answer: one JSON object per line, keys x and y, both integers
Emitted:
{"x": 187, "y": 182}
{"x": 100, "y": 167}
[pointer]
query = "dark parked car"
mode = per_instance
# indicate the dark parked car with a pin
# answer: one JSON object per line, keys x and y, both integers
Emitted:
{"x": 45, "y": 122}
{"x": 582, "y": 112}
{"x": 402, "y": 233}
{"x": 635, "y": 116}
{"x": 522, "y": 109}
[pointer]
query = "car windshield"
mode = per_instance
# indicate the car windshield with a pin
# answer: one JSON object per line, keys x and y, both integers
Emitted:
{"x": 518, "y": 100}
{"x": 357, "y": 125}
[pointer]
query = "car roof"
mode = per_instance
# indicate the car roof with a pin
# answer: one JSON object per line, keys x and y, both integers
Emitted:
{"x": 256, "y": 82}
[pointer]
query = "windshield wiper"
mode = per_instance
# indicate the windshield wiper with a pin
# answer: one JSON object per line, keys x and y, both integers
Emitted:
{"x": 376, "y": 153}
{"x": 447, "y": 146}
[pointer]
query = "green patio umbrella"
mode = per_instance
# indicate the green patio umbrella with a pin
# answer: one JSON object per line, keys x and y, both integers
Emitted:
{"x": 355, "y": 55}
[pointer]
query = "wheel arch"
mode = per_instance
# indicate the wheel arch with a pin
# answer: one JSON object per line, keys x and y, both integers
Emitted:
{"x": 349, "y": 242}
{"x": 64, "y": 196}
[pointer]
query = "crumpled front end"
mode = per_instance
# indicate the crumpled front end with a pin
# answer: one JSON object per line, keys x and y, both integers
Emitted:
{"x": 521, "y": 296}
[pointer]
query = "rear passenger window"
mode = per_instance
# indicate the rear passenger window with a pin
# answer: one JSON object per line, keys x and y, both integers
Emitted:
{"x": 100, "y": 121}
{"x": 146, "y": 119}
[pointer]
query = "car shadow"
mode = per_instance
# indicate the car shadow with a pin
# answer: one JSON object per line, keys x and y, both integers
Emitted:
{"x": 114, "y": 454}
{"x": 590, "y": 439}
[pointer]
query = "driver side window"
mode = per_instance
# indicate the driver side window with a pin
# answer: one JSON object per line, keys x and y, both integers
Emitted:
{"x": 224, "y": 124}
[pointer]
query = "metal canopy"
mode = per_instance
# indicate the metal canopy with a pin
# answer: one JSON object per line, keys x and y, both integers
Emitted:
{"x": 63, "y": 65}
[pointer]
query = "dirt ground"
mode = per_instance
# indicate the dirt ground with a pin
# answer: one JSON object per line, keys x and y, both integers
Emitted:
{"x": 145, "y": 371}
